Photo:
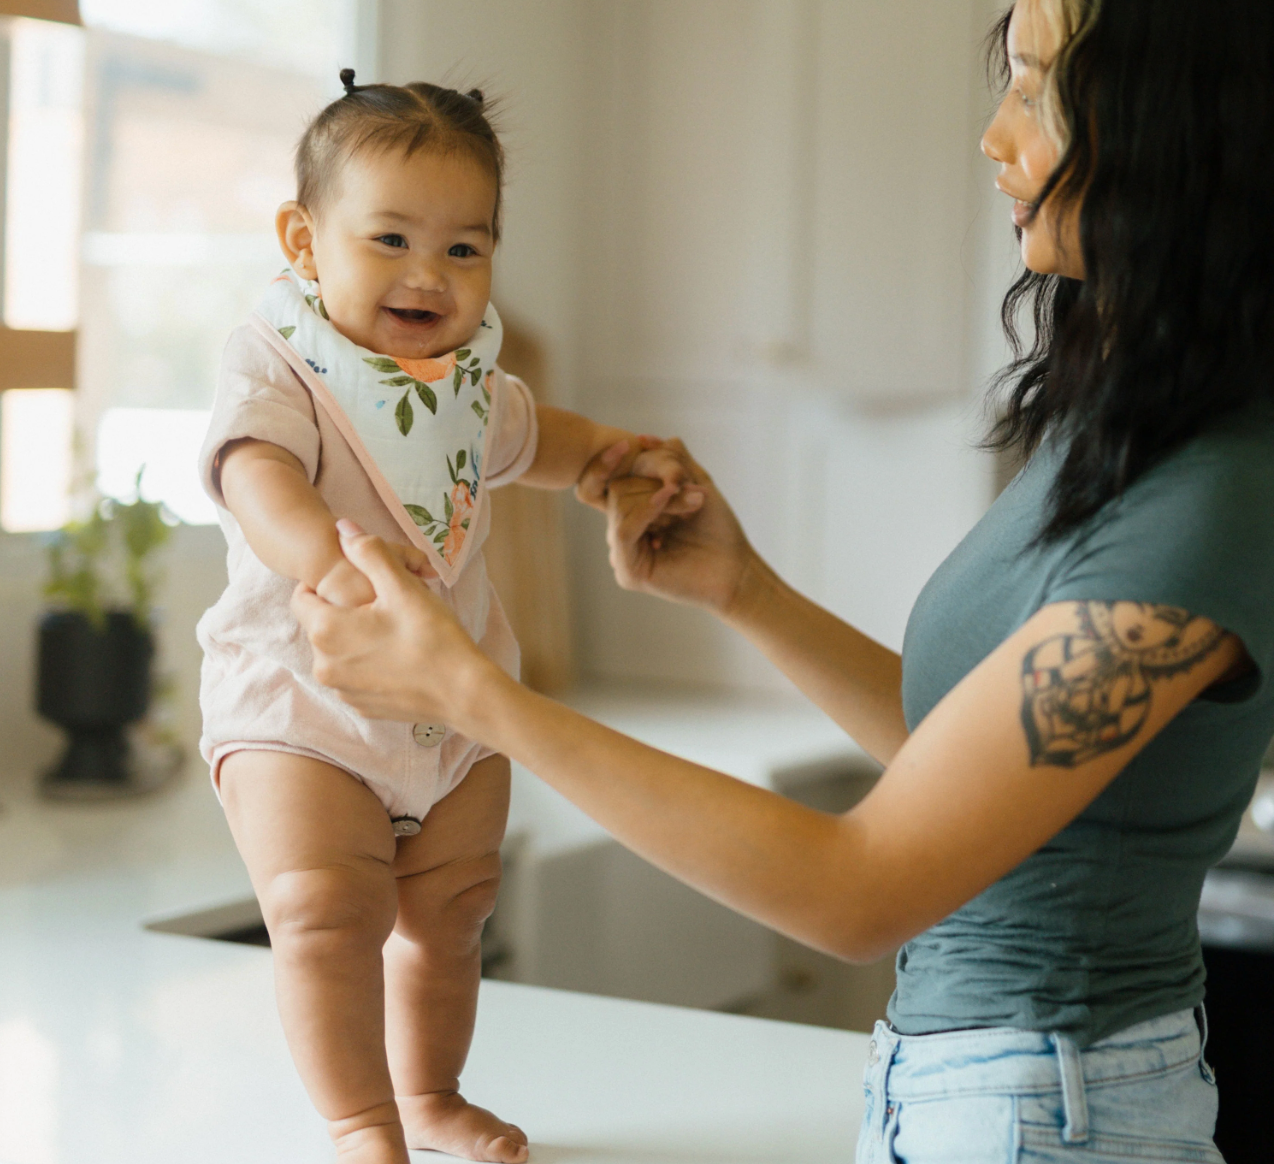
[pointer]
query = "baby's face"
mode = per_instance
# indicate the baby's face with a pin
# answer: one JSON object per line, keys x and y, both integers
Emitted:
{"x": 402, "y": 251}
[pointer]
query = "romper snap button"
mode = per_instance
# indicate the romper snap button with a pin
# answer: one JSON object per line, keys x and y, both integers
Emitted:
{"x": 428, "y": 735}
{"x": 405, "y": 826}
{"x": 873, "y": 1054}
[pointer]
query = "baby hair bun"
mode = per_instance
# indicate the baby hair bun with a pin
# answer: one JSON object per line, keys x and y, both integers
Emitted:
{"x": 347, "y": 79}
{"x": 475, "y": 95}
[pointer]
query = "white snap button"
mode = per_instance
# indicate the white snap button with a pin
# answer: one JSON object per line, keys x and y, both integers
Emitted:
{"x": 873, "y": 1054}
{"x": 406, "y": 826}
{"x": 429, "y": 735}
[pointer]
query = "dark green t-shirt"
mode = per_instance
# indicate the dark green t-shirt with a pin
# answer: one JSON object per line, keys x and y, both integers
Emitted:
{"x": 1097, "y": 930}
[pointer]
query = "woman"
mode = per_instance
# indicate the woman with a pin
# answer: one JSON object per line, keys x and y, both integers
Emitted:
{"x": 1077, "y": 719}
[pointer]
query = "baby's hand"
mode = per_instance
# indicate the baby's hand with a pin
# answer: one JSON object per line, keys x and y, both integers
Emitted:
{"x": 664, "y": 461}
{"x": 670, "y": 465}
{"x": 345, "y": 585}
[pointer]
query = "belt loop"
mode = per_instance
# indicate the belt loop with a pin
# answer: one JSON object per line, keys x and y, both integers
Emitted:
{"x": 1074, "y": 1101}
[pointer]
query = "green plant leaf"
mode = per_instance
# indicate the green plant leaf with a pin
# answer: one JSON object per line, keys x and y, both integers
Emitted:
{"x": 463, "y": 354}
{"x": 460, "y": 459}
{"x": 450, "y": 509}
{"x": 454, "y": 479}
{"x": 476, "y": 374}
{"x": 427, "y": 397}
{"x": 382, "y": 363}
{"x": 464, "y": 524}
{"x": 286, "y": 332}
{"x": 399, "y": 381}
{"x": 403, "y": 415}
{"x": 482, "y": 416}
{"x": 419, "y": 514}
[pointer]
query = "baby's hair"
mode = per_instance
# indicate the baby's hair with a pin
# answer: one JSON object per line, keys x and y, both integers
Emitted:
{"x": 403, "y": 117}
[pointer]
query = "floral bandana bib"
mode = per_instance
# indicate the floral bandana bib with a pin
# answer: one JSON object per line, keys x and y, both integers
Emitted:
{"x": 418, "y": 427}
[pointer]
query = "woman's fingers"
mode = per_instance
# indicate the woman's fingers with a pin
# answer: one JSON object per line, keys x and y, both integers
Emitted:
{"x": 384, "y": 568}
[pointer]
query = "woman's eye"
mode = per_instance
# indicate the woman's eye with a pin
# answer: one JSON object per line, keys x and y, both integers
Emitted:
{"x": 462, "y": 251}
{"x": 1027, "y": 102}
{"x": 392, "y": 240}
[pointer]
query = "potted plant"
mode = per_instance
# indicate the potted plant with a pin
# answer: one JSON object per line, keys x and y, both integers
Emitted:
{"x": 96, "y": 648}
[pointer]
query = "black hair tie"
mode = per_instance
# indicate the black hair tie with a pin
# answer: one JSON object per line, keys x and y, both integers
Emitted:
{"x": 476, "y": 96}
{"x": 347, "y": 79}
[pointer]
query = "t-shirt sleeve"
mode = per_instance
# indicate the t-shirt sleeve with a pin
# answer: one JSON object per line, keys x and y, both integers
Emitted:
{"x": 259, "y": 397}
{"x": 1196, "y": 532}
{"x": 515, "y": 431}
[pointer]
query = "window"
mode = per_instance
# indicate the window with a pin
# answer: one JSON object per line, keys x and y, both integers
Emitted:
{"x": 181, "y": 118}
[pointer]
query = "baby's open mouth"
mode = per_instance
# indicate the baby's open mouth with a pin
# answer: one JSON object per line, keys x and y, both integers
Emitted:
{"x": 412, "y": 315}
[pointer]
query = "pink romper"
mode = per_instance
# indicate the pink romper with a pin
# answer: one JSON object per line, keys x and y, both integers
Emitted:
{"x": 257, "y": 691}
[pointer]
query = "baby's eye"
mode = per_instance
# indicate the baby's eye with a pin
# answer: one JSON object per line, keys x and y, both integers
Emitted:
{"x": 392, "y": 240}
{"x": 462, "y": 251}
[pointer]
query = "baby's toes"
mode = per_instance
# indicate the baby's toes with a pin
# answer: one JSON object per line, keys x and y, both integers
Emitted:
{"x": 507, "y": 1149}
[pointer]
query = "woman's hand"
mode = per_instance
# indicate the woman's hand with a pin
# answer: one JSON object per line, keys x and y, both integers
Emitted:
{"x": 403, "y": 656}
{"x": 700, "y": 557}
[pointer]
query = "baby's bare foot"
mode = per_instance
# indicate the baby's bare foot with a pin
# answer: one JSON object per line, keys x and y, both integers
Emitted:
{"x": 447, "y": 1122}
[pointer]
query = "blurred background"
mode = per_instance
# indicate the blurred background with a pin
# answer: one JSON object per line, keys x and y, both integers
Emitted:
{"x": 761, "y": 225}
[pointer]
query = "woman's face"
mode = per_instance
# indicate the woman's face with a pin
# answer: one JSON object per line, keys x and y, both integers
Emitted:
{"x": 1020, "y": 141}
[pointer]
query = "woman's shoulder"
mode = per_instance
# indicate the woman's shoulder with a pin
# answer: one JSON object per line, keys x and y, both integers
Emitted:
{"x": 1227, "y": 470}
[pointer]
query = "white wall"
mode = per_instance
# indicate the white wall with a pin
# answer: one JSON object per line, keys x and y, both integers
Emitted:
{"x": 793, "y": 263}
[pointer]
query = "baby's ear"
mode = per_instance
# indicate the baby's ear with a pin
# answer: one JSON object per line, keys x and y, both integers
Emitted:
{"x": 295, "y": 228}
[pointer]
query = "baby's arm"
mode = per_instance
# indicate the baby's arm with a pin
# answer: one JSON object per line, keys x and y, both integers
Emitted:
{"x": 286, "y": 522}
{"x": 569, "y": 443}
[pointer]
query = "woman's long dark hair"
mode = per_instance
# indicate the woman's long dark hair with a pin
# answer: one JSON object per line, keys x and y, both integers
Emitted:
{"x": 1168, "y": 107}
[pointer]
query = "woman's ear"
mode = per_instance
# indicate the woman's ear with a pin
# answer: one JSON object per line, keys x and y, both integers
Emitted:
{"x": 295, "y": 229}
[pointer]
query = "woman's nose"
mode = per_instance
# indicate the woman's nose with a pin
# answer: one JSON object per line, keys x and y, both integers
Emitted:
{"x": 997, "y": 143}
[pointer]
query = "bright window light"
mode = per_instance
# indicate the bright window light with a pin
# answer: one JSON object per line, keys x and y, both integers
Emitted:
{"x": 42, "y": 196}
{"x": 36, "y": 434}
{"x": 163, "y": 444}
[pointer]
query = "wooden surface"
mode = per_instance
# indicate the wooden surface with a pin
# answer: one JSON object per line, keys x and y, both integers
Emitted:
{"x": 36, "y": 359}
{"x": 526, "y": 551}
{"x": 66, "y": 11}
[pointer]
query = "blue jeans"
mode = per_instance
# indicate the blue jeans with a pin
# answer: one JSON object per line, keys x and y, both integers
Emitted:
{"x": 1024, "y": 1097}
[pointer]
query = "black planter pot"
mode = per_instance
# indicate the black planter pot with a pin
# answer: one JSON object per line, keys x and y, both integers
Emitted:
{"x": 93, "y": 682}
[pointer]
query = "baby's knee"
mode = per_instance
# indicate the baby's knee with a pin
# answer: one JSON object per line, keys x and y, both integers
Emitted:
{"x": 332, "y": 905}
{"x": 450, "y": 903}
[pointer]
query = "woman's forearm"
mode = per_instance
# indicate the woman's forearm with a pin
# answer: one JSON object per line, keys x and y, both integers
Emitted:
{"x": 758, "y": 853}
{"x": 851, "y": 677}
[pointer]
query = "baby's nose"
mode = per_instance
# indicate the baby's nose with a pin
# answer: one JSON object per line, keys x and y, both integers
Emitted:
{"x": 426, "y": 275}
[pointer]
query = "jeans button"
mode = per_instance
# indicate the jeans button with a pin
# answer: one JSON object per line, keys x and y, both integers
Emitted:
{"x": 873, "y": 1054}
{"x": 406, "y": 826}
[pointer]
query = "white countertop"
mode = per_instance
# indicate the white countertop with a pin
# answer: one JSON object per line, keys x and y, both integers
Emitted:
{"x": 123, "y": 1046}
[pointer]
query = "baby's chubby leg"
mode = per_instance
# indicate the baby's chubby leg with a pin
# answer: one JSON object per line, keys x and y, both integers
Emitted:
{"x": 319, "y": 848}
{"x": 448, "y": 876}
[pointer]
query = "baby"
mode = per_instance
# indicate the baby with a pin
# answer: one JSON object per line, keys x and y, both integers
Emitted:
{"x": 365, "y": 387}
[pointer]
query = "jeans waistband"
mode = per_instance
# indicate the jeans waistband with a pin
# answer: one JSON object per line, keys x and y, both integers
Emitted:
{"x": 1024, "y": 1062}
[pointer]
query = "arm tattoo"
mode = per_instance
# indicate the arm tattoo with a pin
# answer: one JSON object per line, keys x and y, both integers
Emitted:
{"x": 1087, "y": 692}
